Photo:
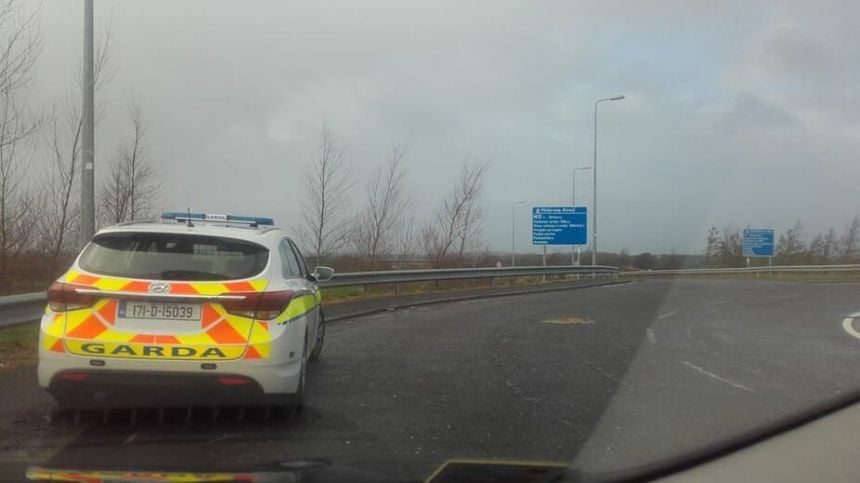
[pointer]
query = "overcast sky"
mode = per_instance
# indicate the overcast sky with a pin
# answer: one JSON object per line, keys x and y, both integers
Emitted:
{"x": 746, "y": 114}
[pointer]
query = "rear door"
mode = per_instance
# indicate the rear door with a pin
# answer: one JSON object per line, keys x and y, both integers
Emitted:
{"x": 315, "y": 297}
{"x": 306, "y": 298}
{"x": 170, "y": 296}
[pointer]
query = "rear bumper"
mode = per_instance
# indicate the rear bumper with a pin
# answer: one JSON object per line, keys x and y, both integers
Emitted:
{"x": 118, "y": 389}
{"x": 138, "y": 383}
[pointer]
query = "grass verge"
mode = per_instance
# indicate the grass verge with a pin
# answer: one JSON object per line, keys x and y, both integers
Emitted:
{"x": 358, "y": 292}
{"x": 18, "y": 346}
{"x": 809, "y": 277}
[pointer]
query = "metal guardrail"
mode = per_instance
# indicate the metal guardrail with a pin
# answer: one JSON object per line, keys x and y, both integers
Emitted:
{"x": 754, "y": 270}
{"x": 16, "y": 309}
{"x": 413, "y": 276}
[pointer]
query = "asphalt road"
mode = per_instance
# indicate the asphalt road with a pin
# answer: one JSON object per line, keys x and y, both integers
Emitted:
{"x": 606, "y": 377}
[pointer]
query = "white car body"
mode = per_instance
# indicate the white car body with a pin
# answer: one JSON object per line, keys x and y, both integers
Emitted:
{"x": 102, "y": 355}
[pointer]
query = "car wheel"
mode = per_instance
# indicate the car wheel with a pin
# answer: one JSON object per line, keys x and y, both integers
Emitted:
{"x": 319, "y": 339}
{"x": 297, "y": 400}
{"x": 66, "y": 404}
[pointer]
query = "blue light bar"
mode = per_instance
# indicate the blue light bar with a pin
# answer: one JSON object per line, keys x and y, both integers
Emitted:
{"x": 213, "y": 217}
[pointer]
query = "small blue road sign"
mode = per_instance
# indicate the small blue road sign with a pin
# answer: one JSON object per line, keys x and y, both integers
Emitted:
{"x": 758, "y": 242}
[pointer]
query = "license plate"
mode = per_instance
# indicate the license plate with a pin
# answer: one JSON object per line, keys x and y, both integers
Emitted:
{"x": 157, "y": 310}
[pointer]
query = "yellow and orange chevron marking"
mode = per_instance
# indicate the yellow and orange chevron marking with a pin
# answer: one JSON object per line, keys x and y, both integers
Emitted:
{"x": 52, "y": 332}
{"x": 97, "y": 476}
{"x": 223, "y": 336}
{"x": 112, "y": 284}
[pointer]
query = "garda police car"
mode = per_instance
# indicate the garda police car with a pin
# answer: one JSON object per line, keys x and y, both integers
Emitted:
{"x": 197, "y": 309}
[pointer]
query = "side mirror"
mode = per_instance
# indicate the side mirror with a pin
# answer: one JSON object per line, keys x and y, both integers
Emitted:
{"x": 322, "y": 274}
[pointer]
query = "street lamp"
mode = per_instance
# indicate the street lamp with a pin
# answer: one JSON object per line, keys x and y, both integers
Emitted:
{"x": 594, "y": 179}
{"x": 514, "y": 232}
{"x": 573, "y": 248}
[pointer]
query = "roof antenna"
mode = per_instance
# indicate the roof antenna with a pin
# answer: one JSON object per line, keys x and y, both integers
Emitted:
{"x": 188, "y": 220}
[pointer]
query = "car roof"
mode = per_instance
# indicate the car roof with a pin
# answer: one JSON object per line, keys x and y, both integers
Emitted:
{"x": 262, "y": 235}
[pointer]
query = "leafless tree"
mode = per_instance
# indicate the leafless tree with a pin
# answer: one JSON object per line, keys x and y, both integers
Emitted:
{"x": 373, "y": 234}
{"x": 456, "y": 226}
{"x": 130, "y": 191}
{"x": 406, "y": 243}
{"x": 713, "y": 247}
{"x": 59, "y": 212}
{"x": 470, "y": 232}
{"x": 326, "y": 188}
{"x": 791, "y": 247}
{"x": 16, "y": 199}
{"x": 850, "y": 241}
{"x": 830, "y": 246}
{"x": 20, "y": 45}
{"x": 730, "y": 248}
{"x": 821, "y": 248}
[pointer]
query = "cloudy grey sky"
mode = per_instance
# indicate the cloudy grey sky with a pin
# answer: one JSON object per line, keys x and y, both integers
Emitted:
{"x": 746, "y": 113}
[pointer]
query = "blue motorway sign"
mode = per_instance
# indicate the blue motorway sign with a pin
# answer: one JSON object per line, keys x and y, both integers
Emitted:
{"x": 758, "y": 242}
{"x": 559, "y": 225}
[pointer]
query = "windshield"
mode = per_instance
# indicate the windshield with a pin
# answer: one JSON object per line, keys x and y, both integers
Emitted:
{"x": 173, "y": 257}
{"x": 607, "y": 235}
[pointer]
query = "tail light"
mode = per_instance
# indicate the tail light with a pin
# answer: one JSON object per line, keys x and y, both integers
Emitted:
{"x": 260, "y": 305}
{"x": 63, "y": 297}
{"x": 233, "y": 381}
{"x": 73, "y": 376}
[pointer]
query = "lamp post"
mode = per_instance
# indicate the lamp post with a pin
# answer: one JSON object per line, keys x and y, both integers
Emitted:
{"x": 88, "y": 217}
{"x": 514, "y": 232}
{"x": 574, "y": 248}
{"x": 594, "y": 179}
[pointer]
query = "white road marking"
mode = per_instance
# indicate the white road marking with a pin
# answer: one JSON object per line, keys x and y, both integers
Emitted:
{"x": 717, "y": 302}
{"x": 667, "y": 315}
{"x": 788, "y": 296}
{"x": 569, "y": 320}
{"x": 605, "y": 374}
{"x": 716, "y": 377}
{"x": 689, "y": 332}
{"x": 130, "y": 438}
{"x": 222, "y": 437}
{"x": 848, "y": 325}
{"x": 651, "y": 337}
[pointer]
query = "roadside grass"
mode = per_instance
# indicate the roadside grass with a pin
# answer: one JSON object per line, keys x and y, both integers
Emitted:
{"x": 809, "y": 277}
{"x": 358, "y": 292}
{"x": 18, "y": 346}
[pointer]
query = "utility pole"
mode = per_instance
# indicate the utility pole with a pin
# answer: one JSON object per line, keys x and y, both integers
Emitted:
{"x": 88, "y": 216}
{"x": 594, "y": 180}
{"x": 574, "y": 249}
{"x": 133, "y": 160}
{"x": 514, "y": 232}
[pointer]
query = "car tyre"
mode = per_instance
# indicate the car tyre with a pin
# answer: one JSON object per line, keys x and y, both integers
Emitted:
{"x": 296, "y": 401}
{"x": 66, "y": 404}
{"x": 319, "y": 339}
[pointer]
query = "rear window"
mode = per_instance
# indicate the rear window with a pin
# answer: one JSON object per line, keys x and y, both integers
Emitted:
{"x": 165, "y": 256}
